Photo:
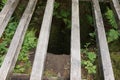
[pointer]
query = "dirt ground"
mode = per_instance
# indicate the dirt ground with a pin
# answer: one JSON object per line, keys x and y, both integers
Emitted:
{"x": 57, "y": 67}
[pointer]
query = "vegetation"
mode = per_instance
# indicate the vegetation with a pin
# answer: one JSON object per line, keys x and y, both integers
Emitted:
{"x": 6, "y": 38}
{"x": 3, "y": 2}
{"x": 115, "y": 56}
{"x": 113, "y": 33}
{"x": 62, "y": 14}
{"x": 88, "y": 59}
{"x": 113, "y": 36}
{"x": 89, "y": 51}
{"x": 29, "y": 43}
{"x": 88, "y": 56}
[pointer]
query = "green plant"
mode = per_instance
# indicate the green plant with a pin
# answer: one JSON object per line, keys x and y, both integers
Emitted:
{"x": 91, "y": 23}
{"x": 89, "y": 20}
{"x": 88, "y": 59}
{"x": 113, "y": 33}
{"x": 92, "y": 35}
{"x": 111, "y": 19}
{"x": 3, "y": 2}
{"x": 6, "y": 38}
{"x": 1, "y": 59}
{"x": 29, "y": 43}
{"x": 56, "y": 5}
{"x": 3, "y": 47}
{"x": 62, "y": 14}
{"x": 91, "y": 56}
{"x": 89, "y": 66}
{"x": 9, "y": 32}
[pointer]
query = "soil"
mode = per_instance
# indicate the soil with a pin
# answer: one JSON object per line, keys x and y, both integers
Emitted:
{"x": 19, "y": 77}
{"x": 57, "y": 66}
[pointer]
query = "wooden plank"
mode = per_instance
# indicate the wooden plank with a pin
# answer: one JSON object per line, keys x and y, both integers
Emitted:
{"x": 116, "y": 7}
{"x": 41, "y": 51}
{"x": 15, "y": 46}
{"x": 102, "y": 43}
{"x": 75, "y": 73}
{"x": 6, "y": 14}
{"x": 98, "y": 0}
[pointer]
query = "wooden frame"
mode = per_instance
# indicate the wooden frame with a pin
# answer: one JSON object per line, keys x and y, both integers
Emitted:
{"x": 75, "y": 71}
{"x": 6, "y": 14}
{"x": 102, "y": 43}
{"x": 15, "y": 46}
{"x": 41, "y": 51}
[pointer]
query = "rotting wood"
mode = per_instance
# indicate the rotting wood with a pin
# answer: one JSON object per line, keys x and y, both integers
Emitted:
{"x": 15, "y": 46}
{"x": 75, "y": 73}
{"x": 6, "y": 14}
{"x": 102, "y": 43}
{"x": 41, "y": 51}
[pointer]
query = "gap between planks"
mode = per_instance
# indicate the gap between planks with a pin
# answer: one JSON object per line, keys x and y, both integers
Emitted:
{"x": 41, "y": 51}
{"x": 102, "y": 43}
{"x": 6, "y": 14}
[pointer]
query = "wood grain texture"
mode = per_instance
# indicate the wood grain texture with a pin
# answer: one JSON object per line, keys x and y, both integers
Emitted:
{"x": 98, "y": 0}
{"x": 75, "y": 72}
{"x": 41, "y": 51}
{"x": 16, "y": 43}
{"x": 116, "y": 7}
{"x": 6, "y": 14}
{"x": 102, "y": 43}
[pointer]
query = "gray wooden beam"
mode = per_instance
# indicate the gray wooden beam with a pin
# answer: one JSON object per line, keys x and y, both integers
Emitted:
{"x": 15, "y": 46}
{"x": 102, "y": 43}
{"x": 6, "y": 14}
{"x": 75, "y": 72}
{"x": 98, "y": 0}
{"x": 41, "y": 51}
{"x": 116, "y": 8}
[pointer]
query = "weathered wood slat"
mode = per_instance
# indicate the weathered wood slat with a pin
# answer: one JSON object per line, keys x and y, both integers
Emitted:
{"x": 6, "y": 14}
{"x": 41, "y": 51}
{"x": 75, "y": 73}
{"x": 116, "y": 6}
{"x": 15, "y": 46}
{"x": 102, "y": 43}
{"x": 98, "y": 0}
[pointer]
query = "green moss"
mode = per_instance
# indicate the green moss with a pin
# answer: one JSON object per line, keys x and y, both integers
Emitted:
{"x": 115, "y": 56}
